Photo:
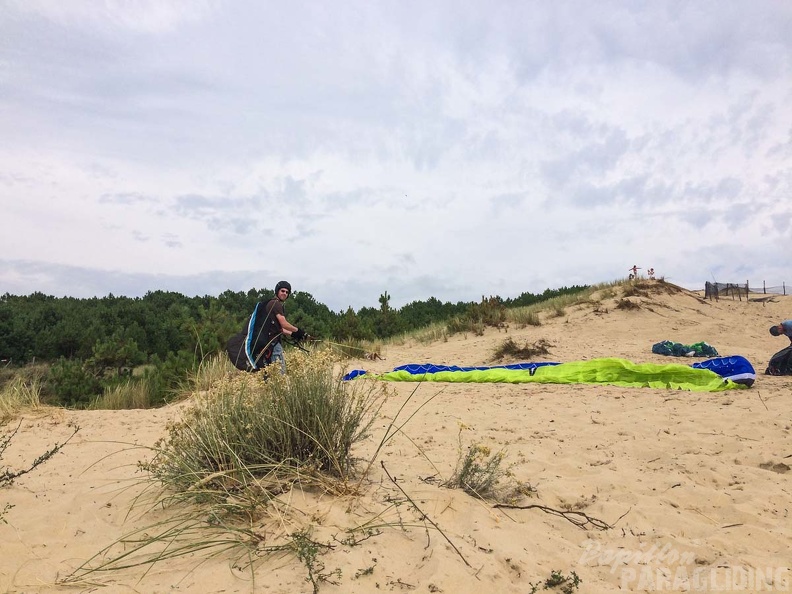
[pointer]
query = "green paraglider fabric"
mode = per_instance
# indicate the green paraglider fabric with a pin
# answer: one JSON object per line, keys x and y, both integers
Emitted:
{"x": 609, "y": 371}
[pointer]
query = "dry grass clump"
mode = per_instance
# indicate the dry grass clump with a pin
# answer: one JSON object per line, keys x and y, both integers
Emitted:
{"x": 279, "y": 427}
{"x": 644, "y": 288}
{"x": 635, "y": 290}
{"x": 432, "y": 333}
{"x": 509, "y": 349}
{"x": 524, "y": 316}
{"x": 224, "y": 467}
{"x": 18, "y": 394}
{"x": 626, "y": 304}
{"x": 557, "y": 312}
{"x": 480, "y": 473}
{"x": 356, "y": 349}
{"x": 351, "y": 349}
{"x": 605, "y": 293}
{"x": 210, "y": 372}
{"x": 556, "y": 306}
{"x": 128, "y": 395}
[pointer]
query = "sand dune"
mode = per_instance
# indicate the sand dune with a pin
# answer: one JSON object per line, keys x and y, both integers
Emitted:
{"x": 694, "y": 485}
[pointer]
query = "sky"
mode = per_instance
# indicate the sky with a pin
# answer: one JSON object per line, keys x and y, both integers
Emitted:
{"x": 447, "y": 149}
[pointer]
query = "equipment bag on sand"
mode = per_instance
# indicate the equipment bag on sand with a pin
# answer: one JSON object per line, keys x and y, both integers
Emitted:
{"x": 780, "y": 363}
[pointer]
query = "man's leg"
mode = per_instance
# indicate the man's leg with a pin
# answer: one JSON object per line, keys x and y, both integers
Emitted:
{"x": 277, "y": 355}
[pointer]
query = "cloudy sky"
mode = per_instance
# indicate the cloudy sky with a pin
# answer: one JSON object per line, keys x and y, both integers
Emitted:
{"x": 445, "y": 148}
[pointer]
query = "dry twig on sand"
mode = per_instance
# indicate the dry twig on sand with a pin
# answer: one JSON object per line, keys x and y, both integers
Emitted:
{"x": 579, "y": 519}
{"x": 423, "y": 515}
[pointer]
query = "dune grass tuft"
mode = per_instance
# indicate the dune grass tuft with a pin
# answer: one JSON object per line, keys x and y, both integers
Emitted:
{"x": 18, "y": 394}
{"x": 267, "y": 425}
{"x": 235, "y": 453}
{"x": 524, "y": 316}
{"x": 133, "y": 393}
{"x": 431, "y": 333}
{"x": 211, "y": 370}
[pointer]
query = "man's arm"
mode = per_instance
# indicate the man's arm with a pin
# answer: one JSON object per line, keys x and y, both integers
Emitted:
{"x": 285, "y": 325}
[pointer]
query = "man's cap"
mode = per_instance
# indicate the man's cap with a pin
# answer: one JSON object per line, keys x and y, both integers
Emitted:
{"x": 282, "y": 285}
{"x": 774, "y": 330}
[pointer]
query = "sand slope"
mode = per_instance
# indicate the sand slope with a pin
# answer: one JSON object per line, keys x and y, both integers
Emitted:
{"x": 695, "y": 485}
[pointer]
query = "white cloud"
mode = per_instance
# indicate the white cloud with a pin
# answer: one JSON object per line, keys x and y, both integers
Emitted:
{"x": 136, "y": 16}
{"x": 423, "y": 149}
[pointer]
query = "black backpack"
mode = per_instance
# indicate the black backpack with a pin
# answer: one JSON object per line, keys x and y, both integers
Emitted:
{"x": 780, "y": 363}
{"x": 236, "y": 351}
{"x": 265, "y": 331}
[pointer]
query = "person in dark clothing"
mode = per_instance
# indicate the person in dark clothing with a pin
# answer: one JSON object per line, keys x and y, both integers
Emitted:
{"x": 784, "y": 328}
{"x": 267, "y": 326}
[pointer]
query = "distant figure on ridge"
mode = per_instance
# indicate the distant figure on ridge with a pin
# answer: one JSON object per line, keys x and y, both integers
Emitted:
{"x": 634, "y": 272}
{"x": 650, "y": 272}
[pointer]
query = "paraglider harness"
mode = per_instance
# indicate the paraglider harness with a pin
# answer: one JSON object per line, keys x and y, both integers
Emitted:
{"x": 781, "y": 362}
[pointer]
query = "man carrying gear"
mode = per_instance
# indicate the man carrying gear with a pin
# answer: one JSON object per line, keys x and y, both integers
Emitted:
{"x": 260, "y": 343}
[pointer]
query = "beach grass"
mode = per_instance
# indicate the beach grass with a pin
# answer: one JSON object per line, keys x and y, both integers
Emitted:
{"x": 20, "y": 393}
{"x": 211, "y": 371}
{"x": 240, "y": 446}
{"x": 131, "y": 394}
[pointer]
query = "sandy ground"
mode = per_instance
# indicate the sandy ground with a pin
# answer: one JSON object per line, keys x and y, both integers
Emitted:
{"x": 695, "y": 486}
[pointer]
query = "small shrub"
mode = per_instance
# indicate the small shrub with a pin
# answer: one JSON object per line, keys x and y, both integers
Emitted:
{"x": 169, "y": 379}
{"x": 308, "y": 551}
{"x": 510, "y": 349}
{"x": 490, "y": 312}
{"x": 73, "y": 384}
{"x": 458, "y": 324}
{"x": 478, "y": 472}
{"x": 267, "y": 430}
{"x": 559, "y": 582}
{"x": 626, "y": 304}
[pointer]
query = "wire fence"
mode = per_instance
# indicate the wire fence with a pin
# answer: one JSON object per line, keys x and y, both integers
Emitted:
{"x": 741, "y": 290}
